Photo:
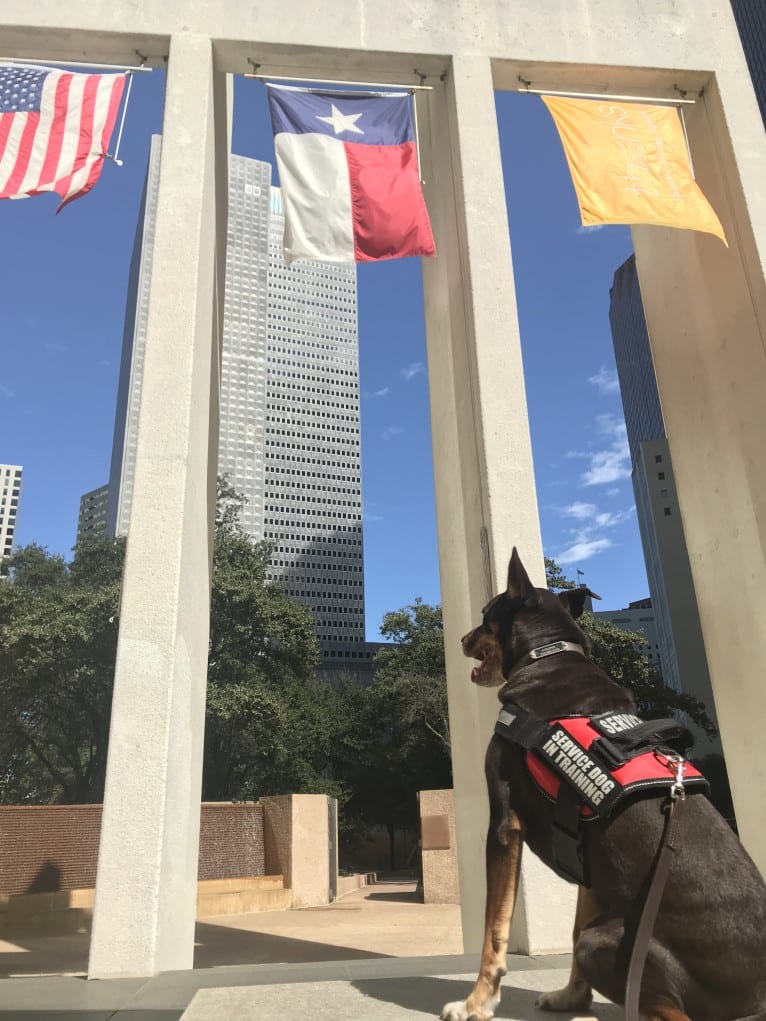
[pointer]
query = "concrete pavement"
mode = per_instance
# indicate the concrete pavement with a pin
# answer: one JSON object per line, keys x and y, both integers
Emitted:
{"x": 363, "y": 957}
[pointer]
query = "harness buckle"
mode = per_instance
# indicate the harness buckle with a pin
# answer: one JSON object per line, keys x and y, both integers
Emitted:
{"x": 677, "y": 764}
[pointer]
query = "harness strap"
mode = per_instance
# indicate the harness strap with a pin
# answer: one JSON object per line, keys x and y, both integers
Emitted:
{"x": 568, "y": 852}
{"x": 671, "y": 838}
{"x": 520, "y": 727}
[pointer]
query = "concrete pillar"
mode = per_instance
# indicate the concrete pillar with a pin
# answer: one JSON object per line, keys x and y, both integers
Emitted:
{"x": 484, "y": 481}
{"x": 298, "y": 845}
{"x": 706, "y": 312}
{"x": 147, "y": 874}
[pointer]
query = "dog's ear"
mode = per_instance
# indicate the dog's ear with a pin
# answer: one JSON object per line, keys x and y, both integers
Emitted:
{"x": 519, "y": 585}
{"x": 574, "y": 599}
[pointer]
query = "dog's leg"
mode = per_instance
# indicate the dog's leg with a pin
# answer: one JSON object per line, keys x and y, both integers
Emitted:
{"x": 504, "y": 843}
{"x": 577, "y": 993}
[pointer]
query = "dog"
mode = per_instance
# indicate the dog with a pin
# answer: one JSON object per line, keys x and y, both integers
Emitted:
{"x": 707, "y": 956}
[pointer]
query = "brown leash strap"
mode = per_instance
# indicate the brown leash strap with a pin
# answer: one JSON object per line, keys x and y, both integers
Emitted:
{"x": 671, "y": 839}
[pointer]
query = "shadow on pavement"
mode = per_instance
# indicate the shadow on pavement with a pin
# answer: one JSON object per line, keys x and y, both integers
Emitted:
{"x": 408, "y": 897}
{"x": 217, "y": 945}
{"x": 214, "y": 945}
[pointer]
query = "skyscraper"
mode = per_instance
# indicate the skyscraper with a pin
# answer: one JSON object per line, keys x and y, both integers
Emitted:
{"x": 289, "y": 435}
{"x": 750, "y": 16}
{"x": 91, "y": 521}
{"x": 10, "y": 495}
{"x": 290, "y": 439}
{"x": 683, "y": 662}
{"x": 132, "y": 362}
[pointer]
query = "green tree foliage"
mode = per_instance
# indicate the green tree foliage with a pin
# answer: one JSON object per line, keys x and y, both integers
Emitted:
{"x": 58, "y": 639}
{"x": 269, "y": 727}
{"x": 403, "y": 728}
{"x": 262, "y": 648}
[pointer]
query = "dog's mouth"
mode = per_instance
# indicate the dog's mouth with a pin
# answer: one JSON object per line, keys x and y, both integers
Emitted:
{"x": 487, "y": 672}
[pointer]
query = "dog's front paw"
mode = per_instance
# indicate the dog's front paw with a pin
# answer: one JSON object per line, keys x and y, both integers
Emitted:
{"x": 460, "y": 1011}
{"x": 574, "y": 996}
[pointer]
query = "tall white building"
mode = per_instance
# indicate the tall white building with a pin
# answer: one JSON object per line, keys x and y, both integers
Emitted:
{"x": 289, "y": 437}
{"x": 132, "y": 362}
{"x": 683, "y": 662}
{"x": 10, "y": 495}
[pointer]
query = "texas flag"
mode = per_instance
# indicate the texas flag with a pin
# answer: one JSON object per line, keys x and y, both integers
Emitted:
{"x": 349, "y": 175}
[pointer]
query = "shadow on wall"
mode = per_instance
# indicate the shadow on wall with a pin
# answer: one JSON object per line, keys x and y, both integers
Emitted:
{"x": 47, "y": 879}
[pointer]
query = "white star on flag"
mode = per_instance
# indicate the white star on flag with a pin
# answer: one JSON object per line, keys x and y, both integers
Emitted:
{"x": 342, "y": 122}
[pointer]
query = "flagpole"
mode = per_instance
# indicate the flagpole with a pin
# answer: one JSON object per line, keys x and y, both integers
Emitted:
{"x": 417, "y": 136}
{"x": 604, "y": 95}
{"x": 332, "y": 81}
{"x": 688, "y": 148}
{"x": 118, "y": 162}
{"x": 70, "y": 63}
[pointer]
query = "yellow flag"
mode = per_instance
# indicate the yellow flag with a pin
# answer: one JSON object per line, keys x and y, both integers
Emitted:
{"x": 629, "y": 164}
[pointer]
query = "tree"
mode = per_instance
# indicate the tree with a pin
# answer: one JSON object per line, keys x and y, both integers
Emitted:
{"x": 403, "y": 737}
{"x": 413, "y": 668}
{"x": 58, "y": 640}
{"x": 262, "y": 648}
{"x": 555, "y": 577}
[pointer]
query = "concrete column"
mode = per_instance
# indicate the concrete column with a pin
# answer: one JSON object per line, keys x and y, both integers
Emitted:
{"x": 146, "y": 885}
{"x": 706, "y": 312}
{"x": 298, "y": 841}
{"x": 485, "y": 489}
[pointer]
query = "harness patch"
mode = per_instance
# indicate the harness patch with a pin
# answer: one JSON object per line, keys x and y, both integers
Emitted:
{"x": 574, "y": 764}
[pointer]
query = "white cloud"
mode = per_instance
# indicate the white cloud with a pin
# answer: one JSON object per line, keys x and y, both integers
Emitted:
{"x": 582, "y": 229}
{"x": 588, "y": 538}
{"x": 605, "y": 380}
{"x": 383, "y": 392}
{"x": 5, "y": 391}
{"x": 613, "y": 462}
{"x": 55, "y": 345}
{"x": 369, "y": 516}
{"x": 413, "y": 369}
{"x": 580, "y": 511}
{"x": 582, "y": 550}
{"x": 392, "y": 430}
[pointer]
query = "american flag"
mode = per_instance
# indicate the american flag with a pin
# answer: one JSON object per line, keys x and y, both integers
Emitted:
{"x": 55, "y": 128}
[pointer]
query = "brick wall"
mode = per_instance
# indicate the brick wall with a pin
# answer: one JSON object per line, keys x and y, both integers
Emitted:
{"x": 45, "y": 848}
{"x": 48, "y": 847}
{"x": 231, "y": 841}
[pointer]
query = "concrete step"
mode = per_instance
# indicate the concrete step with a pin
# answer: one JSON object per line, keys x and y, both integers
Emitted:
{"x": 71, "y": 911}
{"x": 238, "y": 896}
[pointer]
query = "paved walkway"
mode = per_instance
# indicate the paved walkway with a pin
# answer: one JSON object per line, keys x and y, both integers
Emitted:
{"x": 361, "y": 958}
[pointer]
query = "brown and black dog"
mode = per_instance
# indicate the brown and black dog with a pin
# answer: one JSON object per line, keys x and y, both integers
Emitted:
{"x": 707, "y": 956}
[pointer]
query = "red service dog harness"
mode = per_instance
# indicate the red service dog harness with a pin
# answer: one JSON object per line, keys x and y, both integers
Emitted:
{"x": 589, "y": 765}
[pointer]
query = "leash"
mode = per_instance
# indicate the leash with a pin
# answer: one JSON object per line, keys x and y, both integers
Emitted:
{"x": 670, "y": 842}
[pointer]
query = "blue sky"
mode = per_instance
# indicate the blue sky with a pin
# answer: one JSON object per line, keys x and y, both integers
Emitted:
{"x": 65, "y": 280}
